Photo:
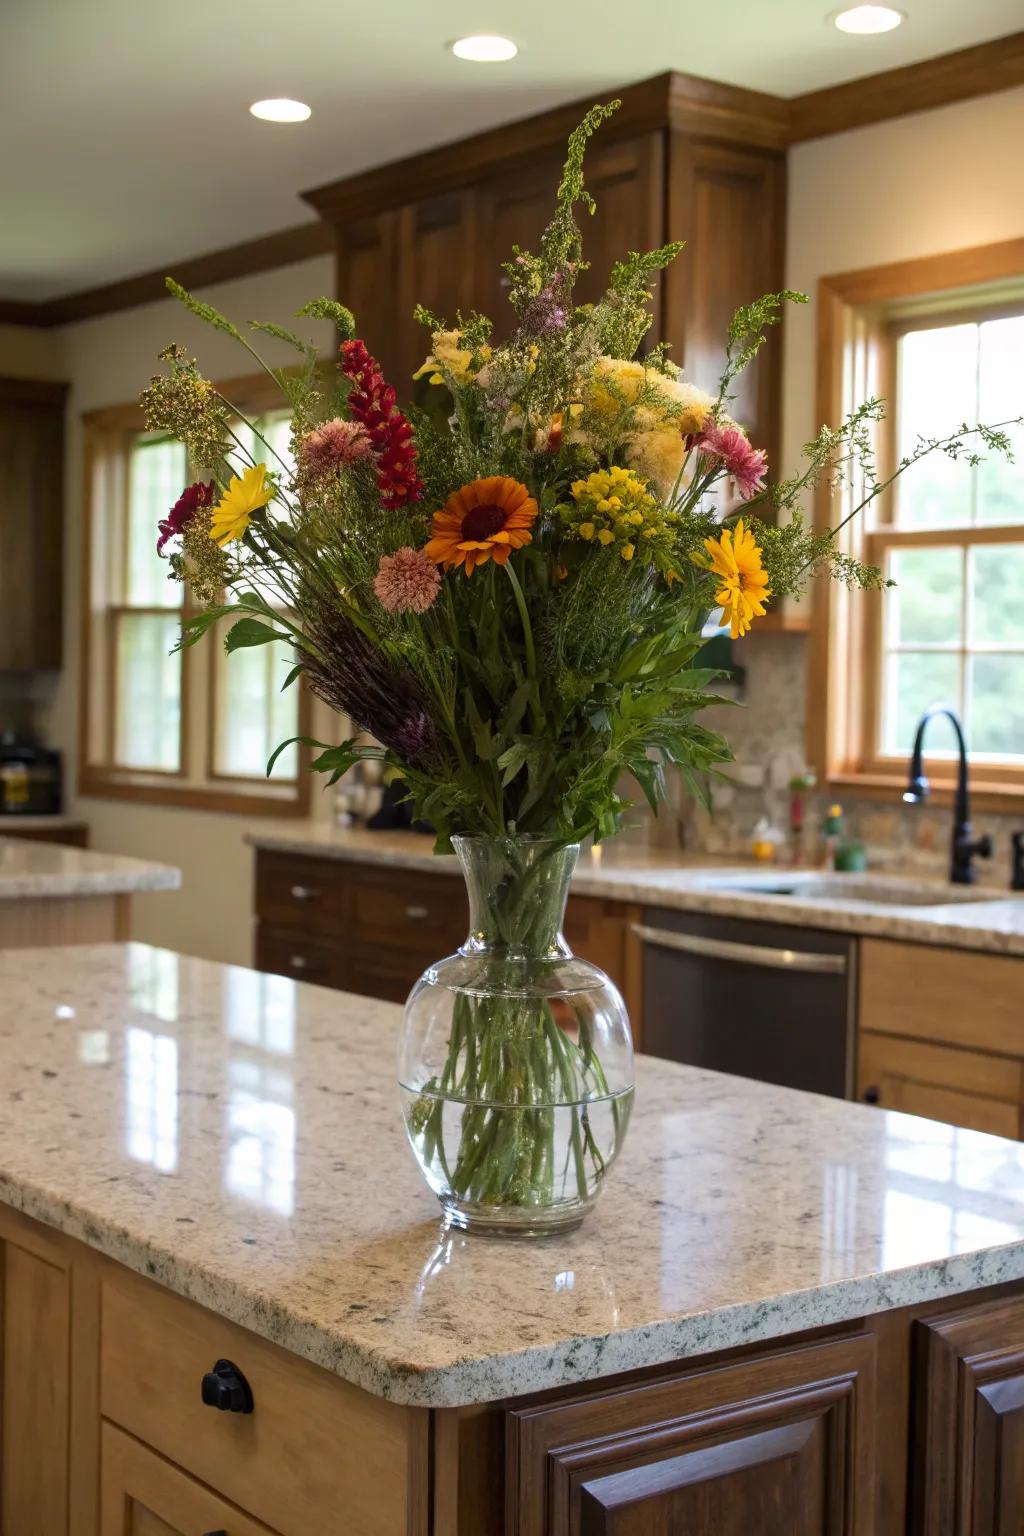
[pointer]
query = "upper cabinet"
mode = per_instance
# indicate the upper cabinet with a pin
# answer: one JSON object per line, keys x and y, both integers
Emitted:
{"x": 681, "y": 160}
{"x": 31, "y": 524}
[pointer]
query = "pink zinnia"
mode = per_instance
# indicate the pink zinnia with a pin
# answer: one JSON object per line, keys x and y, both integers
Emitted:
{"x": 184, "y": 510}
{"x": 330, "y": 447}
{"x": 746, "y": 465}
{"x": 407, "y": 581}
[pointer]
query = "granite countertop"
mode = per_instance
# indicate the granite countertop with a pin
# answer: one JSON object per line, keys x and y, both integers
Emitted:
{"x": 11, "y": 824}
{"x": 30, "y": 869}
{"x": 238, "y": 1137}
{"x": 962, "y": 918}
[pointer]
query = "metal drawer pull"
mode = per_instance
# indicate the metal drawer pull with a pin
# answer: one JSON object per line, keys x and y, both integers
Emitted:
{"x": 298, "y": 963}
{"x": 742, "y": 954}
{"x": 304, "y": 893}
{"x": 417, "y": 913}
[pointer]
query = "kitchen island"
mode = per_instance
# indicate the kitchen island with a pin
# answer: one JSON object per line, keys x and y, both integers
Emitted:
{"x": 778, "y": 1303}
{"x": 50, "y": 894}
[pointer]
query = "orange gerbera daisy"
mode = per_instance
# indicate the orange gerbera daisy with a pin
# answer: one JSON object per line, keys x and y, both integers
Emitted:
{"x": 486, "y": 518}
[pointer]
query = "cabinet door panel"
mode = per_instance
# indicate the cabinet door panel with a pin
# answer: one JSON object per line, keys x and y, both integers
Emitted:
{"x": 969, "y": 1448}
{"x": 728, "y": 204}
{"x": 34, "y": 1447}
{"x": 781, "y": 1445}
{"x": 772, "y": 1481}
{"x": 143, "y": 1495}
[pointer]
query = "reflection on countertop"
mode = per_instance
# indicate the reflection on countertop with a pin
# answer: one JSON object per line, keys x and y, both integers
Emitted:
{"x": 238, "y": 1137}
{"x": 962, "y": 917}
{"x": 29, "y": 869}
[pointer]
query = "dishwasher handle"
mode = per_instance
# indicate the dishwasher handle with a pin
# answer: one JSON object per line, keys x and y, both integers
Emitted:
{"x": 742, "y": 954}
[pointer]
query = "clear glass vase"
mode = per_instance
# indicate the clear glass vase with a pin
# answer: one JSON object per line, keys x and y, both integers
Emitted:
{"x": 516, "y": 1061}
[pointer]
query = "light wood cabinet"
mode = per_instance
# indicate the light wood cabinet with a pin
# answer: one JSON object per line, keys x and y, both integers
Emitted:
{"x": 941, "y": 1034}
{"x": 143, "y": 1495}
{"x": 35, "y": 1418}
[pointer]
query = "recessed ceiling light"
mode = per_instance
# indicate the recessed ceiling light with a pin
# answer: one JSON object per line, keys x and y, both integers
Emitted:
{"x": 281, "y": 109}
{"x": 865, "y": 19}
{"x": 484, "y": 48}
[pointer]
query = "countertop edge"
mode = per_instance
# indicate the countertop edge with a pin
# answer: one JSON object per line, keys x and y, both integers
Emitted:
{"x": 578, "y": 1361}
{"x": 114, "y": 883}
{"x": 614, "y": 884}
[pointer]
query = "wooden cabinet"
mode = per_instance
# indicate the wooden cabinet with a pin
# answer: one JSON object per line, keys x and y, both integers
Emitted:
{"x": 373, "y": 929}
{"x": 941, "y": 1034}
{"x": 682, "y": 160}
{"x": 104, "y": 1430}
{"x": 143, "y": 1495}
{"x": 311, "y": 1443}
{"x": 969, "y": 1442}
{"x": 781, "y": 1445}
{"x": 32, "y": 525}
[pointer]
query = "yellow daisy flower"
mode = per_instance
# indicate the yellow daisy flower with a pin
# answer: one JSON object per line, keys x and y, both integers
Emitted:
{"x": 242, "y": 498}
{"x": 743, "y": 590}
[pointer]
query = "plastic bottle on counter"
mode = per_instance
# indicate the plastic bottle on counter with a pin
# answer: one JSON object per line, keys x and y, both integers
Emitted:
{"x": 832, "y": 835}
{"x": 765, "y": 841}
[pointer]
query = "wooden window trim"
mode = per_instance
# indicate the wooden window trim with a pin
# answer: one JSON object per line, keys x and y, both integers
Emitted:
{"x": 235, "y": 794}
{"x": 855, "y": 334}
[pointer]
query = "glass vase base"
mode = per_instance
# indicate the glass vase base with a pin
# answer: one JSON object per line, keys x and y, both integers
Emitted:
{"x": 513, "y": 1221}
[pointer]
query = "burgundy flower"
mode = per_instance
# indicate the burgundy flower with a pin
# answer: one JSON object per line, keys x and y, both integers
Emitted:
{"x": 183, "y": 511}
{"x": 372, "y": 402}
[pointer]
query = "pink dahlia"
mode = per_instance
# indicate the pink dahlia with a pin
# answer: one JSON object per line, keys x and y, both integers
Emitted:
{"x": 746, "y": 465}
{"x": 184, "y": 510}
{"x": 331, "y": 447}
{"x": 407, "y": 581}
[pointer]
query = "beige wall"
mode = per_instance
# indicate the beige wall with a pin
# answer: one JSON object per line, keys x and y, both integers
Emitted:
{"x": 919, "y": 186}
{"x": 26, "y": 353}
{"x": 109, "y": 360}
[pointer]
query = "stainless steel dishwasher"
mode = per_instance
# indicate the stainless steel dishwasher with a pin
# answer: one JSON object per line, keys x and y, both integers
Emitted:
{"x": 762, "y": 1000}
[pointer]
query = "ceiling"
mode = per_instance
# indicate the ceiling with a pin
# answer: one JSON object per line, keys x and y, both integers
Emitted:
{"x": 127, "y": 143}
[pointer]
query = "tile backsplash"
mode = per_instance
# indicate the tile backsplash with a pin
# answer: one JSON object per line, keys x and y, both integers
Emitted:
{"x": 766, "y": 729}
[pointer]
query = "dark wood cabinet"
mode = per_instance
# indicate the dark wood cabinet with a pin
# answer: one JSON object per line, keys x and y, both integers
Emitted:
{"x": 374, "y": 928}
{"x": 781, "y": 1445}
{"x": 969, "y": 1427}
{"x": 32, "y": 524}
{"x": 706, "y": 168}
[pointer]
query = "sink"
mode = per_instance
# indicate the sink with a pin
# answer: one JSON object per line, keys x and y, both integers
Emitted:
{"x": 879, "y": 890}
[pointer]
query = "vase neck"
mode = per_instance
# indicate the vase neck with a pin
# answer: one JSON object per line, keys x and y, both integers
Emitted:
{"x": 517, "y": 888}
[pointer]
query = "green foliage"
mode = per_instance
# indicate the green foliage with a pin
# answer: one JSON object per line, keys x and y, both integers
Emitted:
{"x": 329, "y": 309}
{"x": 203, "y": 311}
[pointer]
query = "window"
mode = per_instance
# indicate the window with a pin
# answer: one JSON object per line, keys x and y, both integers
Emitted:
{"x": 953, "y": 626}
{"x": 193, "y": 727}
{"x": 941, "y": 339}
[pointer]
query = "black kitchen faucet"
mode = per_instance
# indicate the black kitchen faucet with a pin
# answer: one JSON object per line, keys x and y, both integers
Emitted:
{"x": 964, "y": 847}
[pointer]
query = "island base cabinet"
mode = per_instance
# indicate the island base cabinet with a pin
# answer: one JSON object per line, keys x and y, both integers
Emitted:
{"x": 781, "y": 1445}
{"x": 143, "y": 1495}
{"x": 969, "y": 1452}
{"x": 34, "y": 1406}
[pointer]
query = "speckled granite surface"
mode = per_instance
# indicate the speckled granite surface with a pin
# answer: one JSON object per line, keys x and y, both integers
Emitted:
{"x": 238, "y": 1137}
{"x": 30, "y": 869}
{"x": 976, "y": 918}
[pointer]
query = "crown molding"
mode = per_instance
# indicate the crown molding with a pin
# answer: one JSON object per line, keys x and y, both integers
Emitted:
{"x": 684, "y": 104}
{"x": 260, "y": 255}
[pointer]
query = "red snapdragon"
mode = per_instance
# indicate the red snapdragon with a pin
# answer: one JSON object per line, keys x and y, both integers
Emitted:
{"x": 372, "y": 402}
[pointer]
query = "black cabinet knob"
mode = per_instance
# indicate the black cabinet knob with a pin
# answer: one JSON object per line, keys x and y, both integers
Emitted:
{"x": 227, "y": 1389}
{"x": 871, "y": 1096}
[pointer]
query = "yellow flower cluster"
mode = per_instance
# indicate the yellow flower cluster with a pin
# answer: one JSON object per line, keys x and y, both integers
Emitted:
{"x": 656, "y": 411}
{"x": 450, "y": 361}
{"x": 613, "y": 508}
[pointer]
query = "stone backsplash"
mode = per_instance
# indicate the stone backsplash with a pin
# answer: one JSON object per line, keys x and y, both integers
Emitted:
{"x": 766, "y": 729}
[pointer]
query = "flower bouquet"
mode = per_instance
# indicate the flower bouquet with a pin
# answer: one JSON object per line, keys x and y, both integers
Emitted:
{"x": 507, "y": 599}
